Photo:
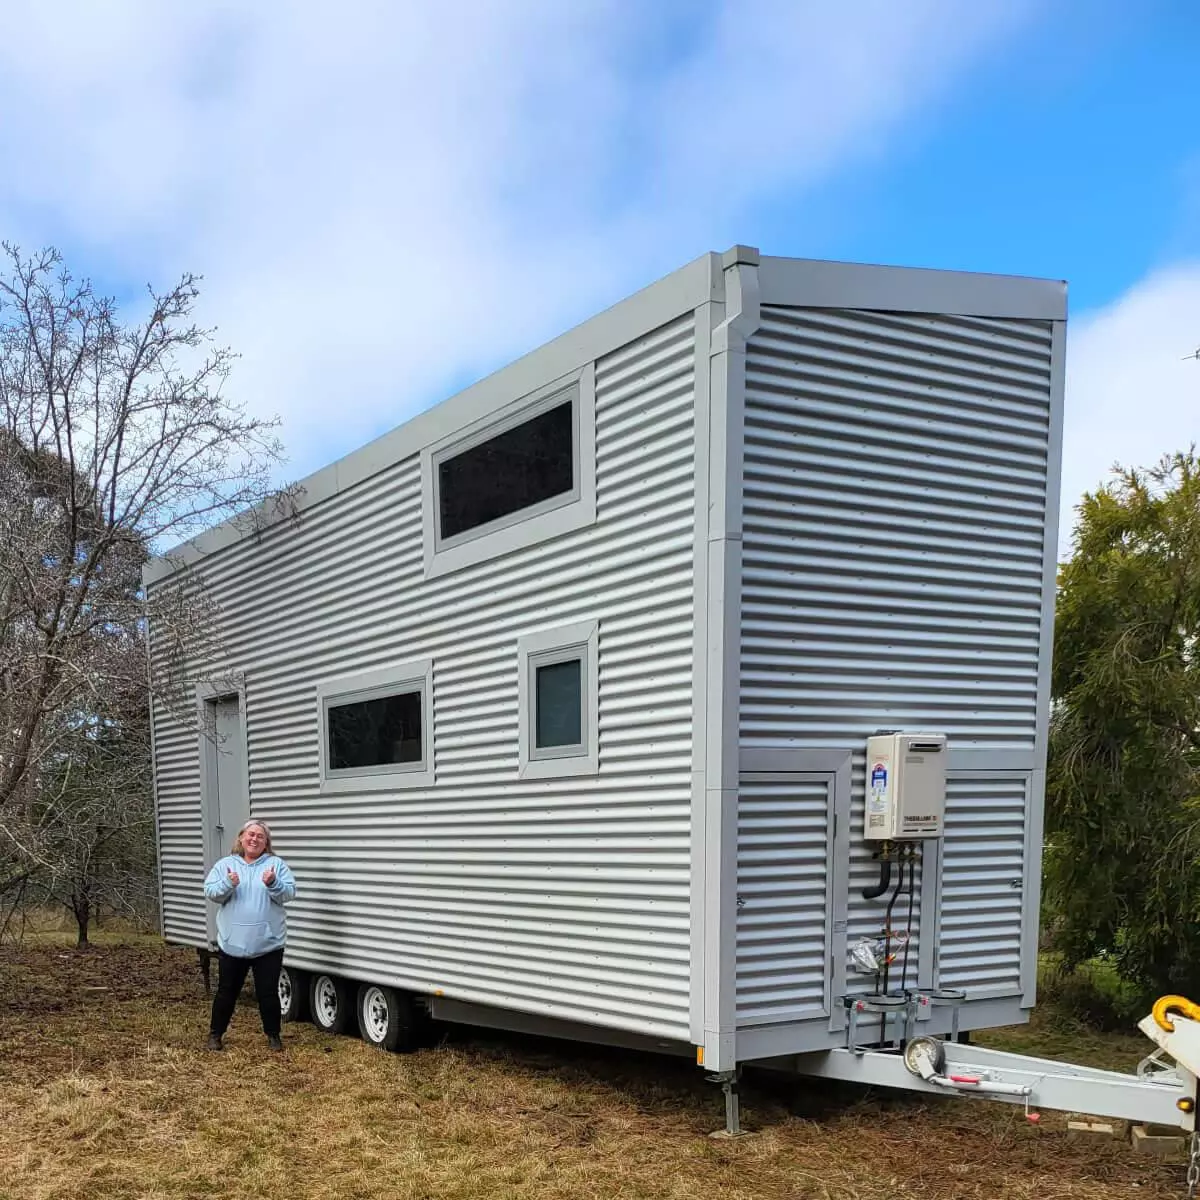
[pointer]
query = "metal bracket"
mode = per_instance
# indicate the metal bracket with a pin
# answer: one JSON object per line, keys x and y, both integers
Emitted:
{"x": 884, "y": 1006}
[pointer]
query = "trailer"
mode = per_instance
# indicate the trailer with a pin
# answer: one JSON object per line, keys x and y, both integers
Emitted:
{"x": 684, "y": 685}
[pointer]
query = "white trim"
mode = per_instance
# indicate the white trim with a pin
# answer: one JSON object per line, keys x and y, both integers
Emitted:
{"x": 414, "y": 676}
{"x": 580, "y": 640}
{"x": 727, "y": 392}
{"x": 812, "y": 283}
{"x": 529, "y": 526}
{"x": 706, "y": 317}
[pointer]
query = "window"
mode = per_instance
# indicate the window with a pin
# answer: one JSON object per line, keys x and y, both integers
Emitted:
{"x": 376, "y": 732}
{"x": 558, "y": 706}
{"x": 522, "y": 475}
{"x": 526, "y": 465}
{"x": 374, "y": 729}
{"x": 559, "y": 702}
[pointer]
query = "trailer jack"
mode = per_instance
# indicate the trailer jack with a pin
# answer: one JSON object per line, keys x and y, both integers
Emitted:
{"x": 729, "y": 1086}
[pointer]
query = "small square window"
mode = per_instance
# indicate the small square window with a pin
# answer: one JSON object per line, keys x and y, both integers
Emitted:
{"x": 374, "y": 729}
{"x": 558, "y": 702}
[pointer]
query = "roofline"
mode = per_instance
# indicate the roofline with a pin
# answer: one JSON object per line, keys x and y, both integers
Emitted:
{"x": 787, "y": 282}
{"x": 815, "y": 283}
{"x": 697, "y": 283}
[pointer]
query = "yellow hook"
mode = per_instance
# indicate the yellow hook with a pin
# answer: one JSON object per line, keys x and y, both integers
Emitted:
{"x": 1173, "y": 1004}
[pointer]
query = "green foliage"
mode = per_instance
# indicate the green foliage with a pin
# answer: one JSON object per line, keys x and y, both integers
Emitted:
{"x": 1122, "y": 873}
{"x": 1090, "y": 995}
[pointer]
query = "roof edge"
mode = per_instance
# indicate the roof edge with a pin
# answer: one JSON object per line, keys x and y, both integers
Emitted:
{"x": 692, "y": 285}
{"x": 815, "y": 283}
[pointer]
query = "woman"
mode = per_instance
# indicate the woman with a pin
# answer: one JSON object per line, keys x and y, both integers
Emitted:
{"x": 250, "y": 888}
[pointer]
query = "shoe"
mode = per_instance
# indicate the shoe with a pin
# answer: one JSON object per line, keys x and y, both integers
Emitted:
{"x": 273, "y": 1042}
{"x": 215, "y": 1042}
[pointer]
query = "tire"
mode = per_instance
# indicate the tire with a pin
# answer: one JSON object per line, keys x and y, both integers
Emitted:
{"x": 329, "y": 1003}
{"x": 293, "y": 994}
{"x": 385, "y": 1017}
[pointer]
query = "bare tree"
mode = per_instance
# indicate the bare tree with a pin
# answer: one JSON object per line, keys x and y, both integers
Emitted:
{"x": 116, "y": 439}
{"x": 95, "y": 812}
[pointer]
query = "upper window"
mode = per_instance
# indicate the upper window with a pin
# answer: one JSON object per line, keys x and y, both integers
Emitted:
{"x": 521, "y": 475}
{"x": 375, "y": 729}
{"x": 558, "y": 701}
{"x": 523, "y": 466}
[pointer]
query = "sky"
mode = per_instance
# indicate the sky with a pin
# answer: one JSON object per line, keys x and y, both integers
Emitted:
{"x": 388, "y": 201}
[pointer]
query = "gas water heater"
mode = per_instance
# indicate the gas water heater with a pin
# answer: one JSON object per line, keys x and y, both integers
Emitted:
{"x": 906, "y": 786}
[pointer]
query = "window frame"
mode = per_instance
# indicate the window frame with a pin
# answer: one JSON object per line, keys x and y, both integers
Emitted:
{"x": 527, "y": 526}
{"x": 565, "y": 643}
{"x": 415, "y": 676}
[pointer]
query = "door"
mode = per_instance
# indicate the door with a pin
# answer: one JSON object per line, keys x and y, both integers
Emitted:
{"x": 224, "y": 795}
{"x": 788, "y": 873}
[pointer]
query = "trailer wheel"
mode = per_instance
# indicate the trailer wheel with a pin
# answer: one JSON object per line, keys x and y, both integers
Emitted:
{"x": 385, "y": 1017}
{"x": 329, "y": 1003}
{"x": 293, "y": 994}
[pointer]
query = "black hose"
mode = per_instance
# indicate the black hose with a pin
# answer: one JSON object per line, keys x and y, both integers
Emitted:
{"x": 885, "y": 878}
{"x": 887, "y": 950}
{"x": 887, "y": 927}
{"x": 912, "y": 888}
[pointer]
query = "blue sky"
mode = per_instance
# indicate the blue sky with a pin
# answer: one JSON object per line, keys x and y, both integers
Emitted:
{"x": 388, "y": 200}
{"x": 1073, "y": 153}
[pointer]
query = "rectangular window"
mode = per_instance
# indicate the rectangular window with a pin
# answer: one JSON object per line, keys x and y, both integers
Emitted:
{"x": 531, "y": 463}
{"x": 513, "y": 478}
{"x": 558, "y": 702}
{"x": 376, "y": 732}
{"x": 375, "y": 729}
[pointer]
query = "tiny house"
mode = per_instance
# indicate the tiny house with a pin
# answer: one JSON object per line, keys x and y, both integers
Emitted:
{"x": 570, "y": 701}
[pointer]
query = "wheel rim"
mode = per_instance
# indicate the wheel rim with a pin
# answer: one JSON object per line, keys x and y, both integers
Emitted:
{"x": 326, "y": 1000}
{"x": 285, "y": 992}
{"x": 376, "y": 1019}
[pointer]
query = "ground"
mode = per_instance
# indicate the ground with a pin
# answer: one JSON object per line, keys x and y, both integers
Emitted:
{"x": 106, "y": 1094}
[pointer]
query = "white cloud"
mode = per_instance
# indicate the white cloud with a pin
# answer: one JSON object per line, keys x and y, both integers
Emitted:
{"x": 387, "y": 200}
{"x": 1132, "y": 396}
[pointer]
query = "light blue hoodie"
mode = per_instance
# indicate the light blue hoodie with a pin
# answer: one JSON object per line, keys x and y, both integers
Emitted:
{"x": 250, "y": 916}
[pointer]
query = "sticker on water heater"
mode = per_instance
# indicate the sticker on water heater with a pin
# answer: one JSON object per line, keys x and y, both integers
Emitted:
{"x": 877, "y": 801}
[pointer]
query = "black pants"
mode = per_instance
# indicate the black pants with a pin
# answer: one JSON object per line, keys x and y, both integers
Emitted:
{"x": 231, "y": 977}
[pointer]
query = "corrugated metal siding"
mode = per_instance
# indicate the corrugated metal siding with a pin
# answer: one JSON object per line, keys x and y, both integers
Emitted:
{"x": 566, "y": 897}
{"x": 983, "y": 878}
{"x": 785, "y": 830}
{"x": 894, "y": 508}
{"x": 180, "y": 834}
{"x": 895, "y": 493}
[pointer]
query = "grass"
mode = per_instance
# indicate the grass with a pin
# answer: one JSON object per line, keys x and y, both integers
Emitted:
{"x": 105, "y": 1094}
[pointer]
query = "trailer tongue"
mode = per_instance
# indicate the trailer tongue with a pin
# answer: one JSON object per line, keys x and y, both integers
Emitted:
{"x": 1161, "y": 1092}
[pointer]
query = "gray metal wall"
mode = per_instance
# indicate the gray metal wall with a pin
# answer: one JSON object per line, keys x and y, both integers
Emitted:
{"x": 568, "y": 898}
{"x": 895, "y": 512}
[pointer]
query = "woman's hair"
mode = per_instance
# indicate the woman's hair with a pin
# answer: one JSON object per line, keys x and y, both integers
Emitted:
{"x": 237, "y": 845}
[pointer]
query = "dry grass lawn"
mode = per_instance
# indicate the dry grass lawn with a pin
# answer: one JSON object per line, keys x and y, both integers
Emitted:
{"x": 105, "y": 1093}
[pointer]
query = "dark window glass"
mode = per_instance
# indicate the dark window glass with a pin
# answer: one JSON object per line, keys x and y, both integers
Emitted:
{"x": 559, "y": 693}
{"x": 516, "y": 469}
{"x": 375, "y": 733}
